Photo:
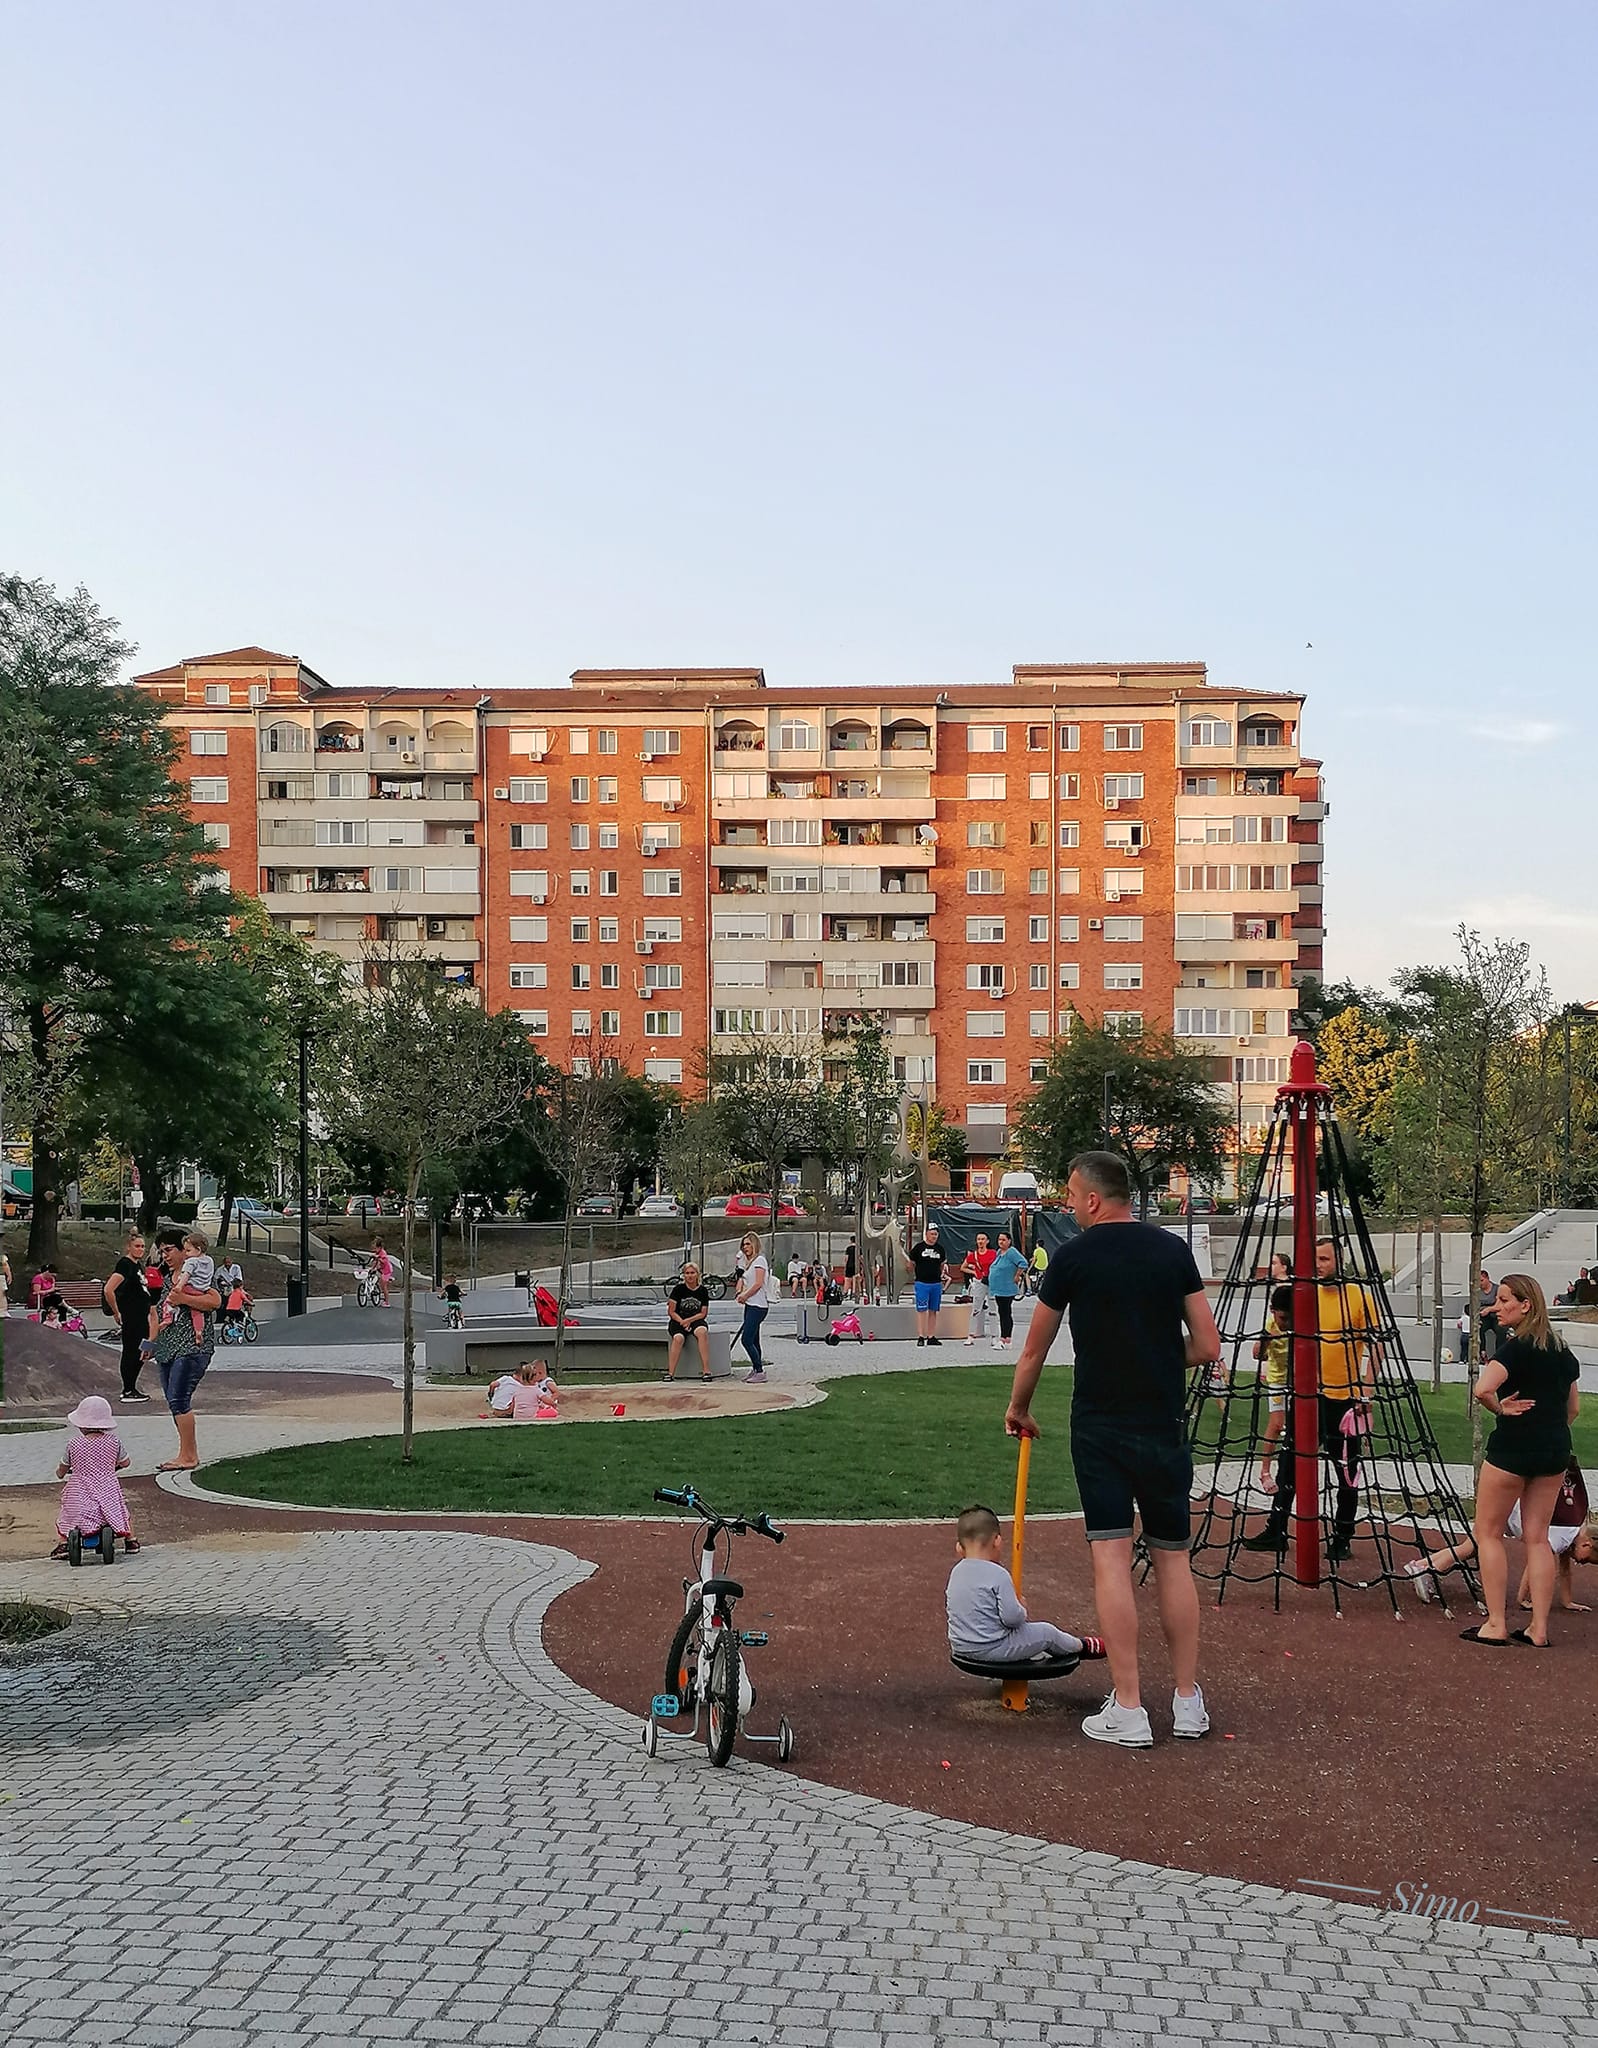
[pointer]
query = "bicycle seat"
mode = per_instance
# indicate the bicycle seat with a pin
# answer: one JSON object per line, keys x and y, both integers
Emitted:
{"x": 723, "y": 1589}
{"x": 1031, "y": 1669}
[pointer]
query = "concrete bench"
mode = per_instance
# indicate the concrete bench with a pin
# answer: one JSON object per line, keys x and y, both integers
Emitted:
{"x": 592, "y": 1351}
{"x": 887, "y": 1321}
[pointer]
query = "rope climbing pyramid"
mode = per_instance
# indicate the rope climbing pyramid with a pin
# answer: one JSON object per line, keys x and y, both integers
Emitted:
{"x": 1314, "y": 1459}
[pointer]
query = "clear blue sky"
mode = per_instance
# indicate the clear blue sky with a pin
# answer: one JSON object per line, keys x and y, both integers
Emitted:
{"x": 472, "y": 344}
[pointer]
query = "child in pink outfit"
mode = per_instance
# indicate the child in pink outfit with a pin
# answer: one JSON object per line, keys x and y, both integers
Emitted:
{"x": 92, "y": 1496}
{"x": 537, "y": 1399}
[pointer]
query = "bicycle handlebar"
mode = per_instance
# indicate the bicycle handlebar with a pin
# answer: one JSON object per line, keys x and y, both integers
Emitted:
{"x": 685, "y": 1497}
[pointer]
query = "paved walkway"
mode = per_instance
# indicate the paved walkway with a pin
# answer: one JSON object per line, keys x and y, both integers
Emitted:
{"x": 383, "y": 1815}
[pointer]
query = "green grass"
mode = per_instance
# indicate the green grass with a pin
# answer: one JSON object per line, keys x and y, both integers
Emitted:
{"x": 914, "y": 1443}
{"x": 924, "y": 1443}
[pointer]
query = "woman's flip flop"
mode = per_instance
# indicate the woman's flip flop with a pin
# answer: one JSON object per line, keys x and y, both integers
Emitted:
{"x": 1520, "y": 1635}
{"x": 1474, "y": 1635}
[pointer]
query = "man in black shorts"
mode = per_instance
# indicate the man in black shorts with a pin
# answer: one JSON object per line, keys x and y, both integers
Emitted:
{"x": 1139, "y": 1321}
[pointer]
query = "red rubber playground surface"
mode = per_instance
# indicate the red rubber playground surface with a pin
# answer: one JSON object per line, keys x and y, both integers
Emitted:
{"x": 1365, "y": 1752}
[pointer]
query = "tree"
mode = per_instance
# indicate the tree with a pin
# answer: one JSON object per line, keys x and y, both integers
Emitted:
{"x": 638, "y": 1117}
{"x": 107, "y": 868}
{"x": 1360, "y": 1058}
{"x": 423, "y": 1075}
{"x": 696, "y": 1156}
{"x": 1145, "y": 1097}
{"x": 857, "y": 1123}
{"x": 581, "y": 1108}
{"x": 767, "y": 1085}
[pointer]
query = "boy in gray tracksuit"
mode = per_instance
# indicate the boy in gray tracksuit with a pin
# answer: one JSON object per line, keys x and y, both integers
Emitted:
{"x": 985, "y": 1617}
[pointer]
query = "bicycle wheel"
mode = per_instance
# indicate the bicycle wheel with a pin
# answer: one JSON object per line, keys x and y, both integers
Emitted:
{"x": 682, "y": 1659}
{"x": 715, "y": 1287}
{"x": 251, "y": 1329}
{"x": 722, "y": 1725}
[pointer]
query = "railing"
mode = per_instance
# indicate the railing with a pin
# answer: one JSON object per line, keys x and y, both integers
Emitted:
{"x": 739, "y": 743}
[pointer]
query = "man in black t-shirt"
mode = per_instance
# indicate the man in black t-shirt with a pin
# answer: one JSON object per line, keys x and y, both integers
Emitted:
{"x": 688, "y": 1317}
{"x": 128, "y": 1302}
{"x": 1139, "y": 1321}
{"x": 926, "y": 1263}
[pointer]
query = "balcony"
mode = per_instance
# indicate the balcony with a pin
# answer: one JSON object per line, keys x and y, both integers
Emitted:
{"x": 1309, "y": 852}
{"x": 1267, "y": 757}
{"x": 1257, "y": 952}
{"x": 1312, "y": 810}
{"x": 740, "y": 738}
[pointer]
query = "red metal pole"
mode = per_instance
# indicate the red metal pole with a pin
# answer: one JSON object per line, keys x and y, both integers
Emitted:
{"x": 1304, "y": 1096}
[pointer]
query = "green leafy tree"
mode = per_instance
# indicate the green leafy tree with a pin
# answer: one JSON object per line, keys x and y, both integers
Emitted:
{"x": 768, "y": 1088}
{"x": 857, "y": 1123}
{"x": 107, "y": 869}
{"x": 638, "y": 1119}
{"x": 1145, "y": 1097}
{"x": 696, "y": 1156}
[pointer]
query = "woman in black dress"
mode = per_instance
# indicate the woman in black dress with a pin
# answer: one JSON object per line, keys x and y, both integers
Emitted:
{"x": 1531, "y": 1387}
{"x": 688, "y": 1315}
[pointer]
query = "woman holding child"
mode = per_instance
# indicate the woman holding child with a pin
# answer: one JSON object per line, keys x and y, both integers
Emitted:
{"x": 182, "y": 1336}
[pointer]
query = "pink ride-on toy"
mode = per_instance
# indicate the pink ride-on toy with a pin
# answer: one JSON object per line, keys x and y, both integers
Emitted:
{"x": 846, "y": 1326}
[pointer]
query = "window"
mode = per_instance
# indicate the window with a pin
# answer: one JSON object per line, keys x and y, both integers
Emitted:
{"x": 1258, "y": 1070}
{"x": 1070, "y": 930}
{"x": 529, "y": 931}
{"x": 341, "y": 831}
{"x": 1123, "y": 739}
{"x": 984, "y": 739}
{"x": 660, "y": 740}
{"x": 738, "y": 973}
{"x": 980, "y": 974}
{"x": 1070, "y": 974}
{"x": 902, "y": 974}
{"x": 529, "y": 740}
{"x": 582, "y": 931}
{"x": 534, "y": 975}
{"x": 1201, "y": 785}
{"x": 1253, "y": 977}
{"x": 795, "y": 881}
{"x": 738, "y": 924}
{"x": 207, "y": 742}
{"x": 582, "y": 976}
{"x": 1204, "y": 1023}
{"x": 1207, "y": 732}
{"x": 609, "y": 931}
{"x": 1070, "y": 833}
{"x": 1257, "y": 831}
{"x": 1268, "y": 782}
{"x": 657, "y": 836}
{"x": 529, "y": 789}
{"x": 610, "y": 1027}
{"x": 1239, "y": 879}
{"x": 1037, "y": 930}
{"x": 582, "y": 1024}
{"x": 1070, "y": 739}
{"x": 607, "y": 742}
{"x": 397, "y": 881}
{"x": 1264, "y": 732}
{"x": 723, "y": 1022}
{"x": 1123, "y": 974}
{"x": 610, "y": 838}
{"x": 1124, "y": 832}
{"x": 1123, "y": 881}
{"x": 662, "y": 882}
{"x": 610, "y": 974}
{"x": 537, "y": 1022}
{"x": 984, "y": 931}
{"x": 984, "y": 882}
{"x": 664, "y": 1023}
{"x": 664, "y": 1070}
{"x": 530, "y": 882}
{"x": 1037, "y": 1023}
{"x": 667, "y": 789}
{"x": 1204, "y": 831}
{"x": 1123, "y": 1023}
{"x": 723, "y": 786}
{"x": 577, "y": 740}
{"x": 579, "y": 789}
{"x": 984, "y": 1113}
{"x": 208, "y": 789}
{"x": 217, "y": 693}
{"x": 1068, "y": 882}
{"x": 984, "y": 1023}
{"x": 400, "y": 832}
{"x": 216, "y": 835}
{"x": 1121, "y": 931}
{"x": 1037, "y": 739}
{"x": 524, "y": 836}
{"x": 794, "y": 832}
{"x": 983, "y": 1073}
{"x": 1037, "y": 881}
{"x": 666, "y": 974}
{"x": 984, "y": 832}
{"x": 1038, "y": 974}
{"x": 341, "y": 785}
{"x": 609, "y": 789}
{"x": 580, "y": 881}
{"x": 1191, "y": 926}
{"x": 287, "y": 739}
{"x": 984, "y": 789}
{"x": 797, "y": 736}
{"x": 450, "y": 881}
{"x": 1070, "y": 789}
{"x": 1037, "y": 788}
{"x": 1123, "y": 789}
{"x": 666, "y": 931}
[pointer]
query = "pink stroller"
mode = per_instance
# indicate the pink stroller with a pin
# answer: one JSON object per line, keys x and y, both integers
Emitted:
{"x": 846, "y": 1326}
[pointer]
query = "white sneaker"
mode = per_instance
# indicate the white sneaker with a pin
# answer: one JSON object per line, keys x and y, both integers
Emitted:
{"x": 1188, "y": 1715}
{"x": 1421, "y": 1580}
{"x": 971, "y": 1340}
{"x": 1127, "y": 1726}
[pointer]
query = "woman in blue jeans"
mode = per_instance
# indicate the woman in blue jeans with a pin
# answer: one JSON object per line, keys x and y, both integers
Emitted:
{"x": 181, "y": 1354}
{"x": 754, "y": 1292}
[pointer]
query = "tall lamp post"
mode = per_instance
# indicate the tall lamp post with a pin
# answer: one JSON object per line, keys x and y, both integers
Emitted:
{"x": 305, "y": 1168}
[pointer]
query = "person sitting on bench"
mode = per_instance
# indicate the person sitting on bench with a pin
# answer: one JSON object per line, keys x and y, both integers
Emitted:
{"x": 986, "y": 1619}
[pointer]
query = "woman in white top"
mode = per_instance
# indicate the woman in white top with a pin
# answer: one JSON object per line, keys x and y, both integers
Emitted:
{"x": 754, "y": 1292}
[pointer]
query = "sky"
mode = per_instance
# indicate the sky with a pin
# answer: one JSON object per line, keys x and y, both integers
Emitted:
{"x": 863, "y": 341}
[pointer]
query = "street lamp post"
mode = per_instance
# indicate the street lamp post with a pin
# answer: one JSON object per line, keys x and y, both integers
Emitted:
{"x": 305, "y": 1168}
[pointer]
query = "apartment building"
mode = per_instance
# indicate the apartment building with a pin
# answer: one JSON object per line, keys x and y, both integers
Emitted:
{"x": 661, "y": 861}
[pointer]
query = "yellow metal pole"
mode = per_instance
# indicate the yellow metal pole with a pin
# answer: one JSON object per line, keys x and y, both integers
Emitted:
{"x": 1013, "y": 1694}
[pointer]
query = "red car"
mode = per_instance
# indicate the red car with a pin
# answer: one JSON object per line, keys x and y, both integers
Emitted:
{"x": 760, "y": 1206}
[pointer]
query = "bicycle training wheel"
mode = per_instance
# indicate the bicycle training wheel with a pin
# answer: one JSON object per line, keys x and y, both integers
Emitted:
{"x": 682, "y": 1659}
{"x": 722, "y": 1726}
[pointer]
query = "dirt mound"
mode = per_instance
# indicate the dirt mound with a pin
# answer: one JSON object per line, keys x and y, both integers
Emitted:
{"x": 40, "y": 1367}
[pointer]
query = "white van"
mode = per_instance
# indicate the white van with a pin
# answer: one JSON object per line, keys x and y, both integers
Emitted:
{"x": 1018, "y": 1187}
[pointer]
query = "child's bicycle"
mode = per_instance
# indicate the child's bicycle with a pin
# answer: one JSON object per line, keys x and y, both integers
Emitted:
{"x": 704, "y": 1666}
{"x": 454, "y": 1314}
{"x": 368, "y": 1285}
{"x": 238, "y": 1326}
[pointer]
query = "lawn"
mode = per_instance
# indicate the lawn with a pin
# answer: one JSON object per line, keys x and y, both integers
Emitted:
{"x": 911, "y": 1444}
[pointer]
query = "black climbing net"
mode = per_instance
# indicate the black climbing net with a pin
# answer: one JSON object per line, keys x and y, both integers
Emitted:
{"x": 1384, "y": 1495}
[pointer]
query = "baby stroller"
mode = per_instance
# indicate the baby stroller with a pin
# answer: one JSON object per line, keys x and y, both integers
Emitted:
{"x": 846, "y": 1326}
{"x": 548, "y": 1310}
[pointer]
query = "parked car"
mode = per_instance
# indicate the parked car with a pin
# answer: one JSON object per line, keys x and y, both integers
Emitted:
{"x": 759, "y": 1205}
{"x": 716, "y": 1205}
{"x": 599, "y": 1205}
{"x": 246, "y": 1206}
{"x": 1018, "y": 1187}
{"x": 364, "y": 1205}
{"x": 660, "y": 1205}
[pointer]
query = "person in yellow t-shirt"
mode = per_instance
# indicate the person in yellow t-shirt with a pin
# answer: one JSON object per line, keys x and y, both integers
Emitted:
{"x": 1348, "y": 1352}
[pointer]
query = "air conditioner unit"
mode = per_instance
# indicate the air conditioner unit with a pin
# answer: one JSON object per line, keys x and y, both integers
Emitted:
{"x": 435, "y": 927}
{"x": 997, "y": 994}
{"x": 1112, "y": 895}
{"x": 643, "y": 945}
{"x": 649, "y": 849}
{"x": 503, "y": 795}
{"x": 1095, "y": 924}
{"x": 1245, "y": 1041}
{"x": 646, "y": 757}
{"x": 535, "y": 754}
{"x": 1112, "y": 803}
{"x": 670, "y": 806}
{"x": 540, "y": 899}
{"x": 409, "y": 759}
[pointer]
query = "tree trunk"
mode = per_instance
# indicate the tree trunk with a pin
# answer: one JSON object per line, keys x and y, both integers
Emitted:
{"x": 44, "y": 1223}
{"x": 1478, "y": 1231}
{"x": 1420, "y": 1244}
{"x": 152, "y": 1187}
{"x": 407, "y": 1246}
{"x": 226, "y": 1224}
{"x": 1437, "y": 1302}
{"x": 564, "y": 1287}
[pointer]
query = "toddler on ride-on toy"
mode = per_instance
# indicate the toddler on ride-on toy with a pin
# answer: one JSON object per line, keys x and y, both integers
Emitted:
{"x": 986, "y": 1619}
{"x": 92, "y": 1503}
